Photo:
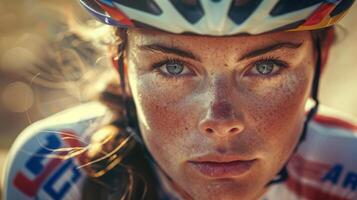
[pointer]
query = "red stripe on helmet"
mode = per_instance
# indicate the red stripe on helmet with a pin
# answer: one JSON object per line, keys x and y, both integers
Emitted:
{"x": 116, "y": 14}
{"x": 324, "y": 10}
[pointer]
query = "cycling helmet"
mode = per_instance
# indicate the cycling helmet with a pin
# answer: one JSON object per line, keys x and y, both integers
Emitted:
{"x": 220, "y": 17}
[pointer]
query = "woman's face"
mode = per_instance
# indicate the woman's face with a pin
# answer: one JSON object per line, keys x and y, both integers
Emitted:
{"x": 221, "y": 115}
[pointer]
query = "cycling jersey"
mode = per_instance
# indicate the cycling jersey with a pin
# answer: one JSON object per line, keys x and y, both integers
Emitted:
{"x": 323, "y": 167}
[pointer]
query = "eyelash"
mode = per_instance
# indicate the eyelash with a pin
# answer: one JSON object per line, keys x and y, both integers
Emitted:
{"x": 168, "y": 60}
{"x": 275, "y": 60}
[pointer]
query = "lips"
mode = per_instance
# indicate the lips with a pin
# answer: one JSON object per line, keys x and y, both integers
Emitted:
{"x": 222, "y": 166}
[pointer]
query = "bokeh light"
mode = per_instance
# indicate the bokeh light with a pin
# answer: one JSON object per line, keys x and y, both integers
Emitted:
{"x": 18, "y": 97}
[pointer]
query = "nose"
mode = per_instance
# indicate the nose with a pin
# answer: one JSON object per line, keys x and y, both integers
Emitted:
{"x": 221, "y": 121}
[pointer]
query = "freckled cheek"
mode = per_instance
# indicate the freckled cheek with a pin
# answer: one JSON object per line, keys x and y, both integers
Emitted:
{"x": 167, "y": 113}
{"x": 277, "y": 113}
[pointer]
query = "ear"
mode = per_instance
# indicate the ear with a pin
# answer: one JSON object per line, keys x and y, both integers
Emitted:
{"x": 326, "y": 44}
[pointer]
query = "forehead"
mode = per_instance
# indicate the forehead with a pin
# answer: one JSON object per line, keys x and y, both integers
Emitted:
{"x": 140, "y": 36}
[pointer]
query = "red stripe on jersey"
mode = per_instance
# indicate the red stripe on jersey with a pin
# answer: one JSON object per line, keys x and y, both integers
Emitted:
{"x": 308, "y": 169}
{"x": 74, "y": 141}
{"x": 298, "y": 160}
{"x": 310, "y": 192}
{"x": 332, "y": 121}
{"x": 31, "y": 187}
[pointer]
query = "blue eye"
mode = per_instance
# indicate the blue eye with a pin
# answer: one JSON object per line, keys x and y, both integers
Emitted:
{"x": 267, "y": 67}
{"x": 173, "y": 68}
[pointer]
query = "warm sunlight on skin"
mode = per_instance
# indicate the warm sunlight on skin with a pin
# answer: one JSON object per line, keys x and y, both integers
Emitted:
{"x": 203, "y": 101}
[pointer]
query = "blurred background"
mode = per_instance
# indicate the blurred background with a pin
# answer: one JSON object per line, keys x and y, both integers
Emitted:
{"x": 45, "y": 68}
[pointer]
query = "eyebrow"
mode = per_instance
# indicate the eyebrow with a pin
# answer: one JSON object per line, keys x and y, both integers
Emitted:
{"x": 170, "y": 50}
{"x": 269, "y": 48}
{"x": 190, "y": 55}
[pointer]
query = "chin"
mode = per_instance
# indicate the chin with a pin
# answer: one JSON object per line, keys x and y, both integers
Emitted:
{"x": 223, "y": 191}
{"x": 248, "y": 187}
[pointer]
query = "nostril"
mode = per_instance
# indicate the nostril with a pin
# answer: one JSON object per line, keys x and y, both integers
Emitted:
{"x": 233, "y": 130}
{"x": 209, "y": 130}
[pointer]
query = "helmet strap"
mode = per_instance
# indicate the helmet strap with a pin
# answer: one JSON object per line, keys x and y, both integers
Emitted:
{"x": 122, "y": 83}
{"x": 126, "y": 121}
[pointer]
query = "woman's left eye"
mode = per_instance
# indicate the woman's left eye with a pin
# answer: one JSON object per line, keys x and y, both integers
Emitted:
{"x": 266, "y": 67}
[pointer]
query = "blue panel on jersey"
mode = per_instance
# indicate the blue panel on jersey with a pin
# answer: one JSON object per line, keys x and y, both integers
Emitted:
{"x": 350, "y": 181}
{"x": 58, "y": 194}
{"x": 333, "y": 175}
{"x": 34, "y": 164}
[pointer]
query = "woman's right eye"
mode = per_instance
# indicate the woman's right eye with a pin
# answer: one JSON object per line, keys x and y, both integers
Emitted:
{"x": 173, "y": 68}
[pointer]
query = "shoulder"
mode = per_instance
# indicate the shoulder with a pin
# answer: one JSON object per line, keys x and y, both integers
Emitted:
{"x": 325, "y": 164}
{"x": 330, "y": 134}
{"x": 38, "y": 165}
{"x": 332, "y": 118}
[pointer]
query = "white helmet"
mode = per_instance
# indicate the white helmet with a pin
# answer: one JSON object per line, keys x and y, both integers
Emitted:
{"x": 220, "y": 17}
